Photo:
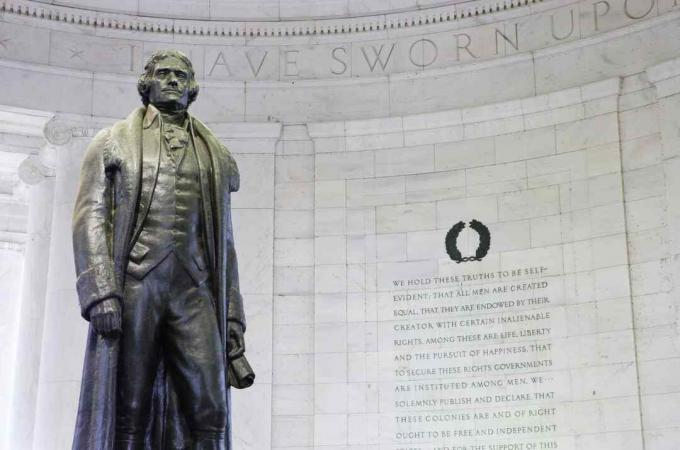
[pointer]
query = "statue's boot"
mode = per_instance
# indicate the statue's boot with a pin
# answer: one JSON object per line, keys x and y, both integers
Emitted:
{"x": 208, "y": 444}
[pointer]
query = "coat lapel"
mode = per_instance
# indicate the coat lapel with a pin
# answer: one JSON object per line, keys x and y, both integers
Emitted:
{"x": 151, "y": 152}
{"x": 220, "y": 200}
{"x": 205, "y": 173}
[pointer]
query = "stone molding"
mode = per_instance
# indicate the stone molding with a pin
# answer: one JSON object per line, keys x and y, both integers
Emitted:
{"x": 22, "y": 121}
{"x": 666, "y": 77}
{"x": 523, "y": 114}
{"x": 121, "y": 21}
{"x": 117, "y": 48}
{"x": 7, "y": 243}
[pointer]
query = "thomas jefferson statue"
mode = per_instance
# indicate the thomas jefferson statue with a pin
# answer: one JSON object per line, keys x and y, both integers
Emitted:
{"x": 157, "y": 275}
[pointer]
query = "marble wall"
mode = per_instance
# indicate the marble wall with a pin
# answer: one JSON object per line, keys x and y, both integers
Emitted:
{"x": 653, "y": 248}
{"x": 555, "y": 124}
{"x": 544, "y": 174}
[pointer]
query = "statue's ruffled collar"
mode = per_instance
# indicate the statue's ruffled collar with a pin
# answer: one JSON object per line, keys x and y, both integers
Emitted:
{"x": 152, "y": 113}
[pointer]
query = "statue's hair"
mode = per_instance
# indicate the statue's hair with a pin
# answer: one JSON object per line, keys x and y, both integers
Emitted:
{"x": 156, "y": 57}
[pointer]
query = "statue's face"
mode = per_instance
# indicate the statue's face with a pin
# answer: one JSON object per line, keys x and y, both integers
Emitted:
{"x": 169, "y": 86}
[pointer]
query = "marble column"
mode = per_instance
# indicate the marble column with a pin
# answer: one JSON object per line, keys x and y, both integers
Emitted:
{"x": 63, "y": 334}
{"x": 37, "y": 173}
{"x": 11, "y": 265}
{"x": 21, "y": 139}
{"x": 12, "y": 234}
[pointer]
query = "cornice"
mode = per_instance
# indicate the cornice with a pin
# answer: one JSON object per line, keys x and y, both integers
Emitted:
{"x": 20, "y": 121}
{"x": 223, "y": 28}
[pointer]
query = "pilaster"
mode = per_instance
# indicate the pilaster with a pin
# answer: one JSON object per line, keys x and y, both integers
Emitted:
{"x": 24, "y": 198}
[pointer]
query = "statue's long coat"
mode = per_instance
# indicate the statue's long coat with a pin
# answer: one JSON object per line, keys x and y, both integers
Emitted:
{"x": 109, "y": 200}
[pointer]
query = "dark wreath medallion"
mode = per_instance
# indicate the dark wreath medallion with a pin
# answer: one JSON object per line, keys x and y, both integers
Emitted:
{"x": 484, "y": 241}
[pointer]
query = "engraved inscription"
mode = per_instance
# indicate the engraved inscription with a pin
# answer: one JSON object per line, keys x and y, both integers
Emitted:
{"x": 423, "y": 53}
{"x": 473, "y": 359}
{"x": 632, "y": 15}
{"x": 512, "y": 40}
{"x": 434, "y": 49}
{"x": 339, "y": 54}
{"x": 290, "y": 61}
{"x": 75, "y": 53}
{"x": 375, "y": 57}
{"x": 220, "y": 61}
{"x": 600, "y": 9}
{"x": 256, "y": 70}
{"x": 463, "y": 42}
{"x": 564, "y": 34}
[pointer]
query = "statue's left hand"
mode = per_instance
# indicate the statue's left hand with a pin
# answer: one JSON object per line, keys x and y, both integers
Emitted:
{"x": 237, "y": 344}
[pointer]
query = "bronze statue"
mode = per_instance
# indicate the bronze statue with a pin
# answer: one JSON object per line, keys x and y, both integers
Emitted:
{"x": 157, "y": 275}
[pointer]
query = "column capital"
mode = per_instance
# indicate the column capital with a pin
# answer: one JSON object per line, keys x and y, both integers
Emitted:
{"x": 61, "y": 129}
{"x": 58, "y": 132}
{"x": 35, "y": 168}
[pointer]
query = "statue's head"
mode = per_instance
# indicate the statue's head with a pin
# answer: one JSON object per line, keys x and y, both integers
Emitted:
{"x": 168, "y": 81}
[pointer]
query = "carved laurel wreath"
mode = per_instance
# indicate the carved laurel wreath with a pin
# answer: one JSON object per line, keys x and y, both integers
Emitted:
{"x": 482, "y": 249}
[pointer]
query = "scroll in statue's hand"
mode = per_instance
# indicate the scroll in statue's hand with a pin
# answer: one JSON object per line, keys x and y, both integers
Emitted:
{"x": 237, "y": 344}
{"x": 105, "y": 317}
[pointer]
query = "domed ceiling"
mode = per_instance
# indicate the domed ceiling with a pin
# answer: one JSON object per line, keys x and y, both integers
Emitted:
{"x": 259, "y": 10}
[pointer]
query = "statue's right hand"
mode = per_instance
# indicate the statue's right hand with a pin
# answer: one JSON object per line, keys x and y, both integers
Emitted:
{"x": 105, "y": 317}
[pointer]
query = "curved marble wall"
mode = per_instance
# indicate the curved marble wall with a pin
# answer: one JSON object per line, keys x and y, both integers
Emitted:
{"x": 364, "y": 131}
{"x": 321, "y": 70}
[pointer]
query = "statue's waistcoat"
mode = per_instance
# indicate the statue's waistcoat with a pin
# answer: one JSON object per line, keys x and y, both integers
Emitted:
{"x": 174, "y": 220}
